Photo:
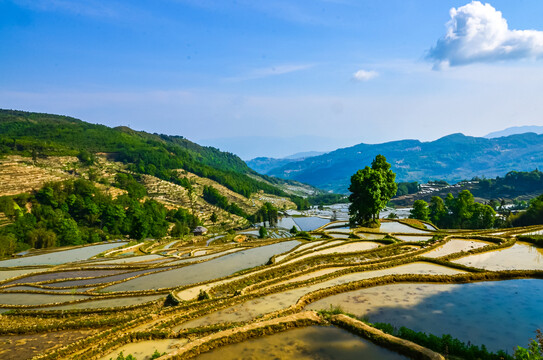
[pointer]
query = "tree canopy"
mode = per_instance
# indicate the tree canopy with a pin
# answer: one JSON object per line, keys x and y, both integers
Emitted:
{"x": 461, "y": 212}
{"x": 371, "y": 189}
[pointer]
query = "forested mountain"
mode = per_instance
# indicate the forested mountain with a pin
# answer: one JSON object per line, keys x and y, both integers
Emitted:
{"x": 451, "y": 158}
{"x": 67, "y": 182}
{"x": 39, "y": 135}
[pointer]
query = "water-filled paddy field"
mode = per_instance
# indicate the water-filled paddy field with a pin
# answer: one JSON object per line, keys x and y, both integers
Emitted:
{"x": 308, "y": 343}
{"x": 178, "y": 294}
{"x": 61, "y": 257}
{"x": 499, "y": 314}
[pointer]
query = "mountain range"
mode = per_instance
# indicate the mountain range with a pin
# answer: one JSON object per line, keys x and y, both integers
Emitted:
{"x": 452, "y": 158}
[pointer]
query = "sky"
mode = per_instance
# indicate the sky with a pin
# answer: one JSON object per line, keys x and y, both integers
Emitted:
{"x": 272, "y": 78}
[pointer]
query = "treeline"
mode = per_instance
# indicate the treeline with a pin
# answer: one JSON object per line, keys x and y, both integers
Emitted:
{"x": 40, "y": 135}
{"x": 76, "y": 212}
{"x": 406, "y": 188}
{"x": 461, "y": 212}
{"x": 514, "y": 183}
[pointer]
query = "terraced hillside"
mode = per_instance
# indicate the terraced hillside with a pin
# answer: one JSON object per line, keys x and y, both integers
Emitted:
{"x": 186, "y": 299}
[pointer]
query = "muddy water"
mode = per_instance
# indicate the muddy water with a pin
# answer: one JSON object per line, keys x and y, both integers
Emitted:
{"x": 66, "y": 275}
{"x": 36, "y": 299}
{"x": 144, "y": 349}
{"x": 8, "y": 274}
{"x": 315, "y": 342}
{"x": 370, "y": 236}
{"x": 456, "y": 245}
{"x": 396, "y": 227}
{"x": 212, "y": 269}
{"x": 521, "y": 256}
{"x": 101, "y": 280}
{"x": 412, "y": 238}
{"x": 341, "y": 249}
{"x": 498, "y": 314}
{"x": 249, "y": 310}
{"x": 61, "y": 257}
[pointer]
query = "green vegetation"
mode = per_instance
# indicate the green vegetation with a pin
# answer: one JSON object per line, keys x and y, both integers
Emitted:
{"x": 371, "y": 189}
{"x": 76, "y": 212}
{"x": 534, "y": 350}
{"x": 42, "y": 135}
{"x": 122, "y": 357}
{"x": 461, "y": 212}
{"x": 514, "y": 183}
{"x": 268, "y": 213}
{"x": 405, "y": 188}
{"x": 420, "y": 211}
{"x": 214, "y": 197}
{"x": 532, "y": 216}
{"x": 445, "y": 344}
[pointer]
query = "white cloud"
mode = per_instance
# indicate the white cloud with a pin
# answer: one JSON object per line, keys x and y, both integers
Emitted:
{"x": 479, "y": 33}
{"x": 365, "y": 75}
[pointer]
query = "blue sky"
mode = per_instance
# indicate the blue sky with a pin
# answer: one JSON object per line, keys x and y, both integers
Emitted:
{"x": 276, "y": 77}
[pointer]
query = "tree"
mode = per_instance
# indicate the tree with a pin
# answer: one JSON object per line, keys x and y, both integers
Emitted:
{"x": 420, "y": 210}
{"x": 438, "y": 211}
{"x": 371, "y": 188}
{"x": 262, "y": 232}
{"x": 213, "y": 218}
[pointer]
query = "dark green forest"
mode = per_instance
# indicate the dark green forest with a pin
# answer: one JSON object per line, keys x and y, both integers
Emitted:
{"x": 76, "y": 212}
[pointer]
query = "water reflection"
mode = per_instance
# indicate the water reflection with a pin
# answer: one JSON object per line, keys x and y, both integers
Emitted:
{"x": 498, "y": 314}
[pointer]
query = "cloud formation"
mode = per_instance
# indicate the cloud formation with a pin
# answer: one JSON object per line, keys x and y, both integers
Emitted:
{"x": 479, "y": 33}
{"x": 365, "y": 75}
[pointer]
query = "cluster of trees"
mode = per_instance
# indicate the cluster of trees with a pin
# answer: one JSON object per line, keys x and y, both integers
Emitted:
{"x": 214, "y": 197}
{"x": 77, "y": 212}
{"x": 461, "y": 212}
{"x": 512, "y": 184}
{"x": 267, "y": 213}
{"x": 405, "y": 188}
{"x": 371, "y": 188}
{"x": 532, "y": 216}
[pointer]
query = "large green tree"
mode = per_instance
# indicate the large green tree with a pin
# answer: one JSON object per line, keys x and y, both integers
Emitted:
{"x": 420, "y": 210}
{"x": 371, "y": 189}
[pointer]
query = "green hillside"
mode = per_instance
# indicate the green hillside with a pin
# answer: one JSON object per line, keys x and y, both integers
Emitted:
{"x": 38, "y": 135}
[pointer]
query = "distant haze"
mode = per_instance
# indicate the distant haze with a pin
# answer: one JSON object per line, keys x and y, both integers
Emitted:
{"x": 250, "y": 147}
{"x": 515, "y": 130}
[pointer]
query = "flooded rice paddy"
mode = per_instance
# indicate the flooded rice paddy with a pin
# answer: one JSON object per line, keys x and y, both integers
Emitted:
{"x": 455, "y": 246}
{"x": 499, "y": 314}
{"x": 61, "y": 257}
{"x": 251, "y": 309}
{"x": 212, "y": 269}
{"x": 316, "y": 342}
{"x": 234, "y": 286}
{"x": 520, "y": 256}
{"x": 396, "y": 227}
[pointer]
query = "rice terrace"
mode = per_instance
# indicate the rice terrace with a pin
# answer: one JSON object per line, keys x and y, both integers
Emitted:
{"x": 264, "y": 180}
{"x": 183, "y": 300}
